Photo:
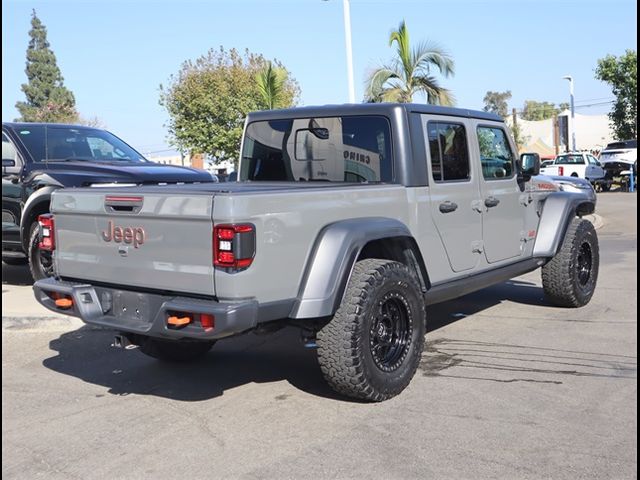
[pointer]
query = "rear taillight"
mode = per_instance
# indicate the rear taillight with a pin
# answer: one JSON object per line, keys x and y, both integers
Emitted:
{"x": 47, "y": 238}
{"x": 234, "y": 246}
{"x": 561, "y": 171}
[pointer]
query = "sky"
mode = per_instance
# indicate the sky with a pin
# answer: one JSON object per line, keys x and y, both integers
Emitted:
{"x": 114, "y": 54}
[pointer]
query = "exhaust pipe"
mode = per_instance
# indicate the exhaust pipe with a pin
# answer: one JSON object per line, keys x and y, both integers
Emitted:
{"x": 308, "y": 338}
{"x": 122, "y": 341}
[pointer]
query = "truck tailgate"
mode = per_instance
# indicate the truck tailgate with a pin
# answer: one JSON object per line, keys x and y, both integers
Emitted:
{"x": 149, "y": 240}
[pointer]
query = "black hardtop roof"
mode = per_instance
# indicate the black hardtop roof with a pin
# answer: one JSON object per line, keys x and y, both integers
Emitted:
{"x": 16, "y": 125}
{"x": 370, "y": 109}
{"x": 633, "y": 143}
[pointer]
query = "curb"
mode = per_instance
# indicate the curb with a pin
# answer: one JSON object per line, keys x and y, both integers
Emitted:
{"x": 597, "y": 220}
{"x": 40, "y": 323}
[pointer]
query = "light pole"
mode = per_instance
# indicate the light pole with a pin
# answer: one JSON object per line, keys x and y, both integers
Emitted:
{"x": 347, "y": 40}
{"x": 573, "y": 112}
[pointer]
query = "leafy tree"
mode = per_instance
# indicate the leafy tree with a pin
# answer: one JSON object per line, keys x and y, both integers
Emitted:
{"x": 496, "y": 102}
{"x": 519, "y": 137}
{"x": 563, "y": 106}
{"x": 48, "y": 100}
{"x": 534, "y": 111}
{"x": 271, "y": 82}
{"x": 621, "y": 73}
{"x": 411, "y": 72}
{"x": 210, "y": 97}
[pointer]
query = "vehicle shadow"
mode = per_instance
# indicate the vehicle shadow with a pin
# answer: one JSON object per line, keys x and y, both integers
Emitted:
{"x": 16, "y": 275}
{"x": 516, "y": 291}
{"x": 86, "y": 354}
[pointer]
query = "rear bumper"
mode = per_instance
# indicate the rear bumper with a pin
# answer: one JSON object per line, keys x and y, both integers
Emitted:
{"x": 147, "y": 313}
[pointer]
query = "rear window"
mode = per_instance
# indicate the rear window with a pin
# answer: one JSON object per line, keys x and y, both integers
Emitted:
{"x": 569, "y": 160}
{"x": 331, "y": 149}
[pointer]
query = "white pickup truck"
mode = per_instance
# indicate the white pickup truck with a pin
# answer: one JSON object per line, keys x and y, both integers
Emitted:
{"x": 577, "y": 164}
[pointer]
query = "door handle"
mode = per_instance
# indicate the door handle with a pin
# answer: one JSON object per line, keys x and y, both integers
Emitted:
{"x": 491, "y": 202}
{"x": 448, "y": 207}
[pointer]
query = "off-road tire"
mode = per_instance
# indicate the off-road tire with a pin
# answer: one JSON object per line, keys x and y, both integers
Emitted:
{"x": 37, "y": 259}
{"x": 174, "y": 351}
{"x": 346, "y": 343}
{"x": 569, "y": 279}
{"x": 14, "y": 261}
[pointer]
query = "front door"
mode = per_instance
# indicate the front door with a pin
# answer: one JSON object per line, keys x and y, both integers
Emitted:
{"x": 453, "y": 190}
{"x": 11, "y": 193}
{"x": 503, "y": 201}
{"x": 593, "y": 171}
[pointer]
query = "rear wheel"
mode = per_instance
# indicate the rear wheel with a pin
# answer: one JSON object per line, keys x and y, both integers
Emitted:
{"x": 569, "y": 279}
{"x": 173, "y": 350}
{"x": 40, "y": 261}
{"x": 372, "y": 347}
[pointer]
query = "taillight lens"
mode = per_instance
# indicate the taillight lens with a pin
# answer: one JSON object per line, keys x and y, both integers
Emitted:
{"x": 234, "y": 246}
{"x": 561, "y": 171}
{"x": 47, "y": 238}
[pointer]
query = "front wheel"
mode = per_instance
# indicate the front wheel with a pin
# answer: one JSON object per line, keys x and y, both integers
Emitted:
{"x": 40, "y": 261}
{"x": 569, "y": 279}
{"x": 372, "y": 346}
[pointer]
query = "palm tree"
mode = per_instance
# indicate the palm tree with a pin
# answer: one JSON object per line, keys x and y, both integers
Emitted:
{"x": 271, "y": 84}
{"x": 410, "y": 73}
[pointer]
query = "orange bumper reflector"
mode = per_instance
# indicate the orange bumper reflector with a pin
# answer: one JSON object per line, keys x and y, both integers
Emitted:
{"x": 64, "y": 302}
{"x": 179, "y": 321}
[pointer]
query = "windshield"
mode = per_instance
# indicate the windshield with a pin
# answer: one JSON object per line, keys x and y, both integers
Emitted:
{"x": 330, "y": 149}
{"x": 48, "y": 143}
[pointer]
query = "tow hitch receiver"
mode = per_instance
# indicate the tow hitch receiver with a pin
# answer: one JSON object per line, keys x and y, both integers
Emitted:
{"x": 121, "y": 341}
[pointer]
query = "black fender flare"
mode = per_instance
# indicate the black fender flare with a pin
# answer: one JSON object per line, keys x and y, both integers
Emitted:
{"x": 557, "y": 212}
{"x": 36, "y": 204}
{"x": 332, "y": 259}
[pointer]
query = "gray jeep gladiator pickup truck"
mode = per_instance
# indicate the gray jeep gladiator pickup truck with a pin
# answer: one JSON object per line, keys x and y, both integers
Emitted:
{"x": 346, "y": 221}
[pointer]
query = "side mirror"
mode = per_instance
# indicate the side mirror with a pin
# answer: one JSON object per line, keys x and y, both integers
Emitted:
{"x": 9, "y": 166}
{"x": 529, "y": 166}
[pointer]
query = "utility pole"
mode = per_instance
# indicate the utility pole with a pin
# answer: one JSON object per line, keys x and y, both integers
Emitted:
{"x": 556, "y": 134}
{"x": 515, "y": 127}
{"x": 573, "y": 113}
{"x": 347, "y": 38}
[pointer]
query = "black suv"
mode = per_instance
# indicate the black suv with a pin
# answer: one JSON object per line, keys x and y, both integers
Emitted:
{"x": 40, "y": 158}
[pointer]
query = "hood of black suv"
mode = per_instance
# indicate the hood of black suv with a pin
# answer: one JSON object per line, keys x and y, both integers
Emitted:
{"x": 85, "y": 173}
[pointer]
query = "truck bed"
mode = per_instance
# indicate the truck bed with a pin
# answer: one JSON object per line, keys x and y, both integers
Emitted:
{"x": 175, "y": 224}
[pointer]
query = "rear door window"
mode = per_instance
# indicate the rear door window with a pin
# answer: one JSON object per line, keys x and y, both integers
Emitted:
{"x": 449, "y": 152}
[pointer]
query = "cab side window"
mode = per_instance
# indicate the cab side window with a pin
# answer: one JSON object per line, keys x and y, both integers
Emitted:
{"x": 496, "y": 156}
{"x": 449, "y": 152}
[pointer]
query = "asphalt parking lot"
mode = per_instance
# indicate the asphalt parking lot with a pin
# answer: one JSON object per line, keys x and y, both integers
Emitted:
{"x": 509, "y": 387}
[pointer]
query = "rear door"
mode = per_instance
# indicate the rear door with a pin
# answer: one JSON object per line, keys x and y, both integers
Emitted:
{"x": 142, "y": 240}
{"x": 503, "y": 200}
{"x": 453, "y": 190}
